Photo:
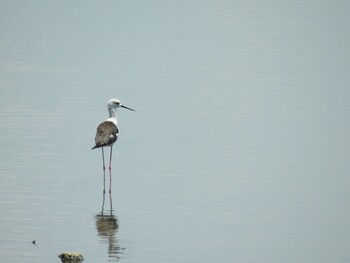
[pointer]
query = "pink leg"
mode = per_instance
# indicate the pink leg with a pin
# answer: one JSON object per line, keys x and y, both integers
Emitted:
{"x": 110, "y": 202}
{"x": 103, "y": 200}
{"x": 104, "y": 174}
{"x": 110, "y": 160}
{"x": 110, "y": 171}
{"x": 103, "y": 159}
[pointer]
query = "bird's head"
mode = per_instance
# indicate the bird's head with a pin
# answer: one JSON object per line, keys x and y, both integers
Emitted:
{"x": 115, "y": 103}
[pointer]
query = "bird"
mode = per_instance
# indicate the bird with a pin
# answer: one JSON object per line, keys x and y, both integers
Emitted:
{"x": 33, "y": 242}
{"x": 107, "y": 131}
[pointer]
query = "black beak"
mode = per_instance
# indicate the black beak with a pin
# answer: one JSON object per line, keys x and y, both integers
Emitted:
{"x": 126, "y": 107}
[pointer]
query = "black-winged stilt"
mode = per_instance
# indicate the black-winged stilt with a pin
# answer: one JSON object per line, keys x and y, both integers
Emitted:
{"x": 107, "y": 131}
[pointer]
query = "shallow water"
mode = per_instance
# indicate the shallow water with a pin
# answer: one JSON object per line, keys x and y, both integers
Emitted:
{"x": 237, "y": 152}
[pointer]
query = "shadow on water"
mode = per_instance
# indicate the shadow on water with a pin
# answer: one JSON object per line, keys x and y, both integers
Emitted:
{"x": 107, "y": 226}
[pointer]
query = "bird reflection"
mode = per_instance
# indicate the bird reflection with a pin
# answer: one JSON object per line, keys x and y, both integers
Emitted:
{"x": 107, "y": 227}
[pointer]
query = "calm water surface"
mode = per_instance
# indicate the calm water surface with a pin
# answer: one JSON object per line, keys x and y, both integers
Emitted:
{"x": 237, "y": 152}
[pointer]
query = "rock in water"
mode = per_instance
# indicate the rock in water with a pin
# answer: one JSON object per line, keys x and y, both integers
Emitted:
{"x": 71, "y": 257}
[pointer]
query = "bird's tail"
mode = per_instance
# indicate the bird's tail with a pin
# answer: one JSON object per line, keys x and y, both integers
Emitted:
{"x": 96, "y": 146}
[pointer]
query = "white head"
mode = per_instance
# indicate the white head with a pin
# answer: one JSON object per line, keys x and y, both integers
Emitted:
{"x": 113, "y": 104}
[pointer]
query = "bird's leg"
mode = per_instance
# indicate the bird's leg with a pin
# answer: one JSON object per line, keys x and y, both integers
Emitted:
{"x": 110, "y": 202}
{"x": 110, "y": 181}
{"x": 104, "y": 183}
{"x": 110, "y": 159}
{"x": 103, "y": 199}
{"x": 110, "y": 171}
{"x": 104, "y": 174}
{"x": 103, "y": 159}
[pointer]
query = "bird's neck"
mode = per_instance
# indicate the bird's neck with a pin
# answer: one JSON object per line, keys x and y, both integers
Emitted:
{"x": 112, "y": 113}
{"x": 112, "y": 116}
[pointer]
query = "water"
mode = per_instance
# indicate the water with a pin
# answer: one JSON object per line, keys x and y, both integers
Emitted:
{"x": 237, "y": 152}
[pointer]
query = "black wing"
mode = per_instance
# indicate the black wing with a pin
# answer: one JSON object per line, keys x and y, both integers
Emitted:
{"x": 106, "y": 134}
